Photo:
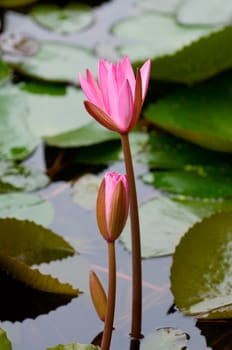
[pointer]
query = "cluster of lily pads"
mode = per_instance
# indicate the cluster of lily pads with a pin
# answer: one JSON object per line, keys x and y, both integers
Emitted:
{"x": 184, "y": 140}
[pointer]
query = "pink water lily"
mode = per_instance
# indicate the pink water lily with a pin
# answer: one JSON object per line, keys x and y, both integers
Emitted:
{"x": 112, "y": 205}
{"x": 116, "y": 100}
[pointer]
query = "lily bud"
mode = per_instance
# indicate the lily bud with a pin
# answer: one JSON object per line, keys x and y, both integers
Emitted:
{"x": 112, "y": 205}
{"x": 98, "y": 295}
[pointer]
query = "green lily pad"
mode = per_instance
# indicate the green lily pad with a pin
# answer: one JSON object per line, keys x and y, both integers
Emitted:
{"x": 194, "y": 181}
{"x": 75, "y": 346}
{"x": 168, "y": 6}
{"x": 196, "y": 12}
{"x": 32, "y": 243}
{"x": 70, "y": 18}
{"x": 4, "y": 341}
{"x": 26, "y": 206}
{"x": 34, "y": 278}
{"x": 86, "y": 135}
{"x": 17, "y": 177}
{"x": 5, "y": 71}
{"x": 166, "y": 151}
{"x": 164, "y": 221}
{"x": 166, "y": 338}
{"x": 154, "y": 34}
{"x": 205, "y": 270}
{"x": 85, "y": 189}
{"x": 15, "y": 3}
{"x": 193, "y": 114}
{"x": 48, "y": 63}
{"x": 16, "y": 140}
{"x": 54, "y": 109}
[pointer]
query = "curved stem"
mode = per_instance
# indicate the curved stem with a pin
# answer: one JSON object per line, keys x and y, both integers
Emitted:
{"x": 108, "y": 328}
{"x": 135, "y": 241}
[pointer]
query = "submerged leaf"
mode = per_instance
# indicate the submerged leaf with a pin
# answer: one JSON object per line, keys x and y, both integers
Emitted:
{"x": 5, "y": 71}
{"x": 32, "y": 243}
{"x": 164, "y": 221}
{"x": 205, "y": 270}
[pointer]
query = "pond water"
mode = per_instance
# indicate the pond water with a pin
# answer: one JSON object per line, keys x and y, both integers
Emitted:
{"x": 77, "y": 320}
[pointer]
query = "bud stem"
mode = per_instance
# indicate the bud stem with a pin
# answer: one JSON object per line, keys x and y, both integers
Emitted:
{"x": 110, "y": 307}
{"x": 136, "y": 319}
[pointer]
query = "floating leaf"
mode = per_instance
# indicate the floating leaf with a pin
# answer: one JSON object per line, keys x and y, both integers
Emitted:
{"x": 86, "y": 135}
{"x": 75, "y": 346}
{"x": 5, "y": 71}
{"x": 168, "y": 6}
{"x": 16, "y": 140}
{"x": 166, "y": 151}
{"x": 32, "y": 243}
{"x": 4, "y": 341}
{"x": 85, "y": 189}
{"x": 165, "y": 338}
{"x": 28, "y": 206}
{"x": 194, "y": 181}
{"x": 17, "y": 177}
{"x": 193, "y": 114}
{"x": 54, "y": 109}
{"x": 196, "y": 12}
{"x": 154, "y": 34}
{"x": 15, "y": 3}
{"x": 48, "y": 63}
{"x": 205, "y": 270}
{"x": 164, "y": 221}
{"x": 33, "y": 278}
{"x": 67, "y": 19}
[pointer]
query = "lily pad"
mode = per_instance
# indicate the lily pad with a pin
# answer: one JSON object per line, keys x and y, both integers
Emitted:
{"x": 154, "y": 34}
{"x": 196, "y": 12}
{"x": 193, "y": 114}
{"x": 54, "y": 109}
{"x": 75, "y": 346}
{"x": 166, "y": 151}
{"x": 5, "y": 71}
{"x": 205, "y": 270}
{"x": 194, "y": 181}
{"x": 70, "y": 18}
{"x": 4, "y": 341}
{"x": 168, "y": 6}
{"x": 15, "y": 3}
{"x": 33, "y": 278}
{"x": 166, "y": 338}
{"x": 85, "y": 189}
{"x": 26, "y": 206}
{"x": 16, "y": 140}
{"x": 32, "y": 243}
{"x": 164, "y": 221}
{"x": 48, "y": 63}
{"x": 86, "y": 135}
{"x": 17, "y": 177}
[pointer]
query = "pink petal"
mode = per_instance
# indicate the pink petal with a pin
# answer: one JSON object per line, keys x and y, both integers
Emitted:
{"x": 103, "y": 68}
{"x": 96, "y": 92}
{"x": 128, "y": 72}
{"x": 125, "y": 106}
{"x": 145, "y": 71}
{"x": 113, "y": 94}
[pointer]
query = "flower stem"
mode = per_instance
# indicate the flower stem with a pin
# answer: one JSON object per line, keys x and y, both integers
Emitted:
{"x": 135, "y": 241}
{"x": 108, "y": 328}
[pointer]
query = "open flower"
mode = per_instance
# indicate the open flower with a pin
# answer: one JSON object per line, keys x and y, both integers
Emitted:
{"x": 112, "y": 205}
{"x": 116, "y": 100}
